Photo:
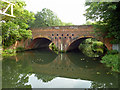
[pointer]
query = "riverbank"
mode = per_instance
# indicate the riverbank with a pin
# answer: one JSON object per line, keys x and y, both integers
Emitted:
{"x": 111, "y": 60}
{"x": 9, "y": 52}
{"x": 0, "y": 53}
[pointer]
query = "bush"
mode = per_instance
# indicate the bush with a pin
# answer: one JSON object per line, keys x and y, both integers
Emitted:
{"x": 111, "y": 61}
{"x": 112, "y": 52}
{"x": 92, "y": 48}
{"x": 9, "y": 52}
{"x": 18, "y": 49}
{"x": 53, "y": 47}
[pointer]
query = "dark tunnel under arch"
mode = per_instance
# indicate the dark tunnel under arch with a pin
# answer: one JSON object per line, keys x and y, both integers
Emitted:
{"x": 40, "y": 43}
{"x": 74, "y": 45}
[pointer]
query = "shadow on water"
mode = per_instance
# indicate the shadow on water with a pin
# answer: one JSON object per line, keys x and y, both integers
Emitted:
{"x": 39, "y": 56}
{"x": 83, "y": 61}
{"x": 46, "y": 65}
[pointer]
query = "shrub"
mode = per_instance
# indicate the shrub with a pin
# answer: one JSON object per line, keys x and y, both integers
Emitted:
{"x": 9, "y": 52}
{"x": 112, "y": 52}
{"x": 53, "y": 47}
{"x": 18, "y": 49}
{"x": 111, "y": 61}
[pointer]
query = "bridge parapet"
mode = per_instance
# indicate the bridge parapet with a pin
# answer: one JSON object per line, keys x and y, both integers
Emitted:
{"x": 80, "y": 27}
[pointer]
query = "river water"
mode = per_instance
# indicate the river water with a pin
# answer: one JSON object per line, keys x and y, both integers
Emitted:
{"x": 46, "y": 69}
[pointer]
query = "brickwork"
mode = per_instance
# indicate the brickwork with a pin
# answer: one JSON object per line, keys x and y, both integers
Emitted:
{"x": 62, "y": 36}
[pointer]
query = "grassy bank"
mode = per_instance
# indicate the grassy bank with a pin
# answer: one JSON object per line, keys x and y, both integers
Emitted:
{"x": 111, "y": 60}
{"x": 8, "y": 52}
{"x": 11, "y": 52}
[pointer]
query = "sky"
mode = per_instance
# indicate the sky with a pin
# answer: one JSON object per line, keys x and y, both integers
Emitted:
{"x": 67, "y": 10}
{"x": 57, "y": 82}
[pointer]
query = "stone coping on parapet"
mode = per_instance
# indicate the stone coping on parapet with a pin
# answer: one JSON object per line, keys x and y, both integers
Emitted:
{"x": 64, "y": 27}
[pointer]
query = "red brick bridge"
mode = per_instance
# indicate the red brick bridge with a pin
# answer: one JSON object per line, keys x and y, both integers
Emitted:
{"x": 64, "y": 37}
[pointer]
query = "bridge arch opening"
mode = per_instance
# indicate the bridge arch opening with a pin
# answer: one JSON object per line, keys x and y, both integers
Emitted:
{"x": 89, "y": 46}
{"x": 40, "y": 43}
{"x": 75, "y": 44}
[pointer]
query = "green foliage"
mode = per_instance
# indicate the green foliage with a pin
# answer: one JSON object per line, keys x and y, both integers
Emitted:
{"x": 14, "y": 29}
{"x": 92, "y": 47}
{"x": 46, "y": 18}
{"x": 66, "y": 24}
{"x": 111, "y": 61}
{"x": 44, "y": 77}
{"x": 106, "y": 15}
{"x": 0, "y": 40}
{"x": 53, "y": 47}
{"x": 9, "y": 52}
{"x": 98, "y": 47}
{"x": 99, "y": 50}
{"x": 87, "y": 50}
{"x": 25, "y": 33}
{"x": 112, "y": 52}
{"x": 18, "y": 49}
{"x": 88, "y": 23}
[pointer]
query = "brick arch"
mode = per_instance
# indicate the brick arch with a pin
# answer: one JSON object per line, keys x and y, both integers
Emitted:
{"x": 75, "y": 43}
{"x": 39, "y": 42}
{"x": 39, "y": 36}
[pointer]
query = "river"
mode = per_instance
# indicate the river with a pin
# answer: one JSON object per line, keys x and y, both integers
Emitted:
{"x": 46, "y": 69}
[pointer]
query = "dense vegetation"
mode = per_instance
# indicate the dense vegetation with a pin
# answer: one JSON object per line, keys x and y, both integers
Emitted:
{"x": 0, "y": 40}
{"x": 17, "y": 28}
{"x": 111, "y": 60}
{"x": 106, "y": 17}
{"x": 92, "y": 47}
{"x": 14, "y": 29}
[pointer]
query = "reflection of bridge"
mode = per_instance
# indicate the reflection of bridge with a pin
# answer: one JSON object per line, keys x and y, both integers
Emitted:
{"x": 71, "y": 65}
{"x": 65, "y": 37}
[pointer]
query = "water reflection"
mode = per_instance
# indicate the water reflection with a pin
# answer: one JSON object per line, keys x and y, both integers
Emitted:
{"x": 83, "y": 61}
{"x": 43, "y": 68}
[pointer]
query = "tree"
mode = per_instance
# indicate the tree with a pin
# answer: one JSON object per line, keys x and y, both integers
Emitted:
{"x": 47, "y": 18}
{"x": 106, "y": 15}
{"x": 14, "y": 29}
{"x": 88, "y": 23}
{"x": 44, "y": 77}
{"x": 67, "y": 24}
